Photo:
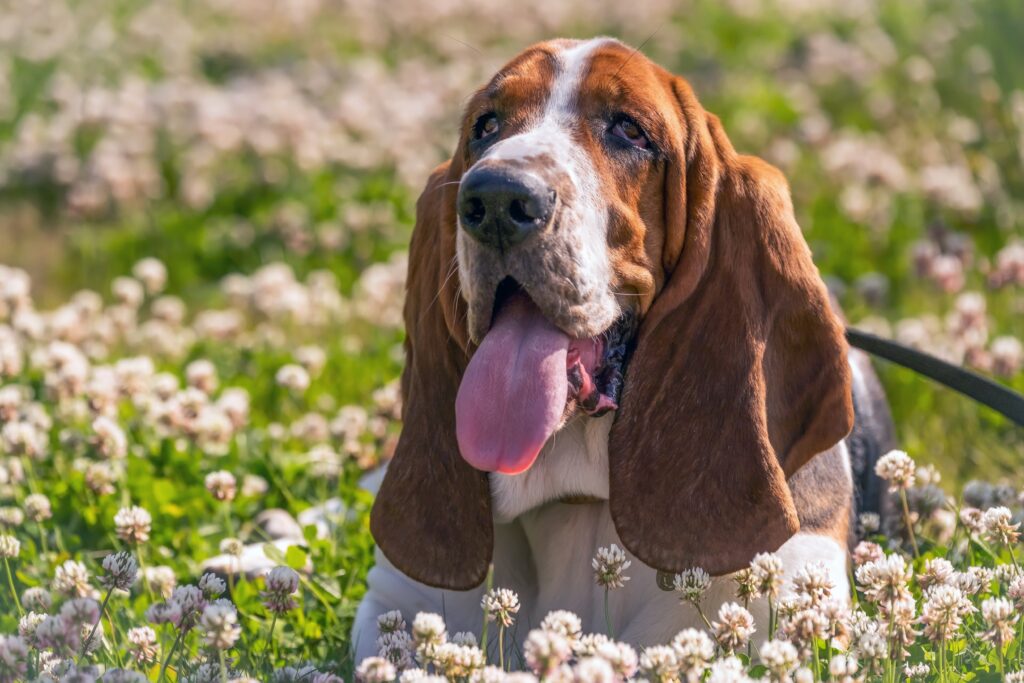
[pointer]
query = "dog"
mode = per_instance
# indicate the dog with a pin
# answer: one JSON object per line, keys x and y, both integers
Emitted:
{"x": 615, "y": 334}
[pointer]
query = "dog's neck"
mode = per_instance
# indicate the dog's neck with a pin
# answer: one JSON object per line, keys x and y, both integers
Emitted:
{"x": 572, "y": 467}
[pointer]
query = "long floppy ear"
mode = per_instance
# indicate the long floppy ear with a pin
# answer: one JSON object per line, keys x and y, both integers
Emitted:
{"x": 740, "y": 372}
{"x": 432, "y": 517}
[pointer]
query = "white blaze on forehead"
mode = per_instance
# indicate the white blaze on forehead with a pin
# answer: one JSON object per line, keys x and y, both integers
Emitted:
{"x": 552, "y": 133}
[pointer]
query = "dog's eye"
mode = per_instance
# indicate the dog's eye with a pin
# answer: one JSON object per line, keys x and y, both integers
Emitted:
{"x": 630, "y": 131}
{"x": 485, "y": 126}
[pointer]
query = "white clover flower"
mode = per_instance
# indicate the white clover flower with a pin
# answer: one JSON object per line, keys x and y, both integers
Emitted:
{"x": 545, "y": 651}
{"x": 780, "y": 658}
{"x": 767, "y": 569}
{"x": 28, "y": 624}
{"x": 80, "y": 611}
{"x": 72, "y": 579}
{"x": 294, "y": 378}
{"x": 376, "y": 670}
{"x": 282, "y": 583}
{"x": 500, "y": 605}
{"x": 37, "y": 599}
{"x": 885, "y": 580}
{"x": 843, "y": 667}
{"x": 872, "y": 646}
{"x": 133, "y": 524}
{"x": 610, "y": 565}
{"x": 429, "y": 629}
{"x": 694, "y": 651}
{"x": 465, "y": 638}
{"x": 814, "y": 582}
{"x": 127, "y": 291}
{"x": 937, "y": 571}
{"x": 564, "y": 623}
{"x": 658, "y": 664}
{"x": 121, "y": 571}
{"x": 11, "y": 517}
{"x": 202, "y": 374}
{"x": 869, "y": 523}
{"x": 221, "y": 485}
{"x": 392, "y": 621}
{"x": 897, "y": 468}
{"x": 211, "y": 585}
{"x": 691, "y": 584}
{"x": 37, "y": 507}
{"x": 312, "y": 358}
{"x": 727, "y": 670}
{"x": 111, "y": 441}
{"x": 14, "y": 658}
{"x": 733, "y": 627}
{"x": 593, "y": 670}
{"x": 152, "y": 273}
{"x": 232, "y": 546}
{"x": 220, "y": 626}
{"x": 1000, "y": 617}
{"x": 396, "y": 647}
{"x": 587, "y": 644}
{"x": 161, "y": 579}
{"x": 943, "y": 612}
{"x": 999, "y": 527}
{"x": 10, "y": 547}
{"x": 143, "y": 644}
{"x": 622, "y": 658}
{"x": 458, "y": 661}
{"x": 865, "y": 552}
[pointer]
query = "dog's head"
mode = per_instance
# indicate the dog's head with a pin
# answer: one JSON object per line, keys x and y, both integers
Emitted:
{"x": 592, "y": 208}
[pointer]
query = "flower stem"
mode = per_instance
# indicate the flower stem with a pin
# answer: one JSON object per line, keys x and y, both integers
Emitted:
{"x": 174, "y": 646}
{"x": 483, "y": 632}
{"x": 501, "y": 647}
{"x": 14, "y": 591}
{"x": 273, "y": 642}
{"x": 92, "y": 631}
{"x": 223, "y": 667}
{"x": 608, "y": 615}
{"x": 909, "y": 523}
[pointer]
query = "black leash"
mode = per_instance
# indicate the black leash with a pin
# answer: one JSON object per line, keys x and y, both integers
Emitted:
{"x": 983, "y": 390}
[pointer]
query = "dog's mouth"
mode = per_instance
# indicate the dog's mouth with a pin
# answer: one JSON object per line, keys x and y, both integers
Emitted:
{"x": 523, "y": 376}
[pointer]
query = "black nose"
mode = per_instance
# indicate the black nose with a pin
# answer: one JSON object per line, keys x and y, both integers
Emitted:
{"x": 501, "y": 207}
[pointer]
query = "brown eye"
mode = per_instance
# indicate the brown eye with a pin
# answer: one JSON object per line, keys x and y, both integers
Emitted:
{"x": 631, "y": 132}
{"x": 486, "y": 126}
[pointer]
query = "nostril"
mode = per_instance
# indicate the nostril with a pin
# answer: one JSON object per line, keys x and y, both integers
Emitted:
{"x": 474, "y": 211}
{"x": 519, "y": 211}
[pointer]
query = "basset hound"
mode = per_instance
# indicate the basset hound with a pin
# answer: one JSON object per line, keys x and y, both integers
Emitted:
{"x": 615, "y": 334}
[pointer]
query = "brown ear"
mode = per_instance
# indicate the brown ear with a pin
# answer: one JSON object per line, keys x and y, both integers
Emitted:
{"x": 740, "y": 374}
{"x": 432, "y": 517}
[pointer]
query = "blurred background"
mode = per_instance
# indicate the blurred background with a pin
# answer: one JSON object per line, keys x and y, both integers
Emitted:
{"x": 223, "y": 136}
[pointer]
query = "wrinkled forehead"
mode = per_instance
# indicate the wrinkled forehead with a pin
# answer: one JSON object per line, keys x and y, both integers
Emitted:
{"x": 572, "y": 76}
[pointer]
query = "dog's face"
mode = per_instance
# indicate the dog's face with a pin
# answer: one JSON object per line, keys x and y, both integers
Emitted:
{"x": 561, "y": 225}
{"x": 593, "y": 207}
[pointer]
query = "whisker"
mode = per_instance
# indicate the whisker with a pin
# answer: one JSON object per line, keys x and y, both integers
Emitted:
{"x": 462, "y": 42}
{"x": 451, "y": 272}
{"x": 631, "y": 54}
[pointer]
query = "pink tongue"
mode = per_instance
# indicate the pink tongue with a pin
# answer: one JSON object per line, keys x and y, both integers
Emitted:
{"x": 514, "y": 390}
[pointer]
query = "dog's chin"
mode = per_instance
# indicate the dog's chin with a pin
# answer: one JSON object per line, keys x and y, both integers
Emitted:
{"x": 529, "y": 376}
